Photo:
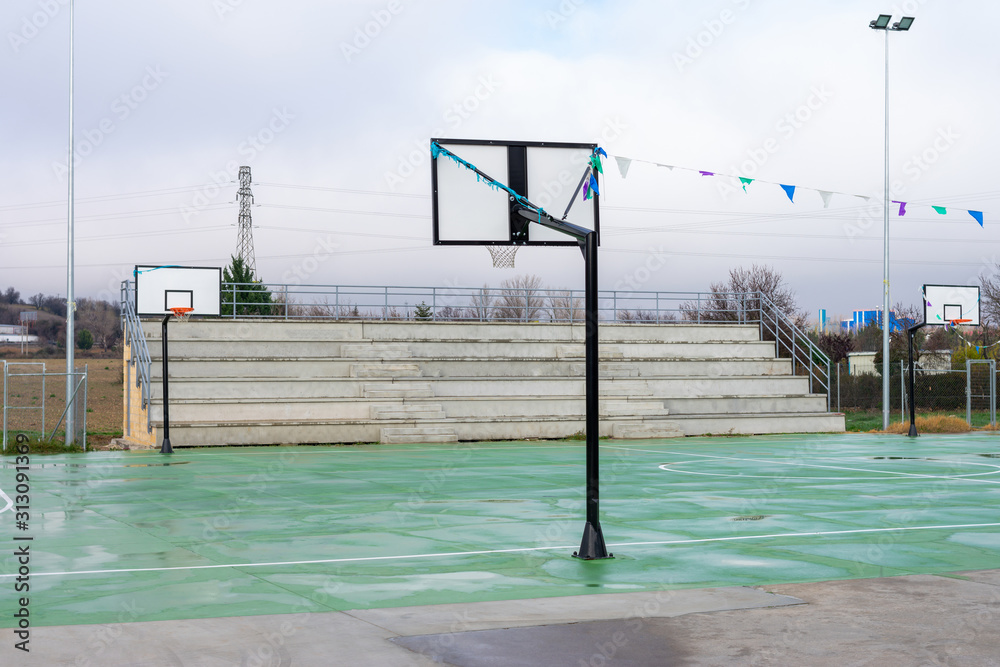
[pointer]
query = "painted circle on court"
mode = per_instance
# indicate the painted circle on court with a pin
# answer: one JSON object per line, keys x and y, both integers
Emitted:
{"x": 785, "y": 469}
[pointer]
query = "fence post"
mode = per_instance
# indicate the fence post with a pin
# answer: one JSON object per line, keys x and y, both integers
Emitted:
{"x": 434, "y": 302}
{"x": 993, "y": 393}
{"x": 902, "y": 392}
{"x": 838, "y": 387}
{"x": 968, "y": 391}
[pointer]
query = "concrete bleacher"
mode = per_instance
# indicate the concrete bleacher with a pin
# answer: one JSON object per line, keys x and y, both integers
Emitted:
{"x": 264, "y": 382}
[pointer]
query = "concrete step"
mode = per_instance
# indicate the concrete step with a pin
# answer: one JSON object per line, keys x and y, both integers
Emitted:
{"x": 385, "y": 371}
{"x": 738, "y": 405}
{"x": 375, "y": 351}
{"x": 632, "y": 408}
{"x": 416, "y": 411}
{"x": 352, "y": 409}
{"x": 322, "y": 432}
{"x": 399, "y": 436}
{"x": 209, "y": 390}
{"x": 307, "y": 368}
{"x": 466, "y": 349}
{"x": 604, "y": 351}
{"x": 397, "y": 390}
{"x": 645, "y": 431}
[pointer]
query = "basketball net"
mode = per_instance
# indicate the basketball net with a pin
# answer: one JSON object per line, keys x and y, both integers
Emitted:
{"x": 503, "y": 255}
{"x": 181, "y": 312}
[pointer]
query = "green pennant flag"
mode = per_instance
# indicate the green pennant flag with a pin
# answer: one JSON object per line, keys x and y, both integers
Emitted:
{"x": 940, "y": 209}
{"x": 595, "y": 162}
{"x": 745, "y": 182}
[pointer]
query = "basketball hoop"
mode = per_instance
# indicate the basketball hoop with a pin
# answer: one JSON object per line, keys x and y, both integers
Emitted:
{"x": 503, "y": 255}
{"x": 181, "y": 312}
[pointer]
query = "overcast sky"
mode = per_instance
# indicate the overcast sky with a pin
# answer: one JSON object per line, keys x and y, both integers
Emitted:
{"x": 332, "y": 103}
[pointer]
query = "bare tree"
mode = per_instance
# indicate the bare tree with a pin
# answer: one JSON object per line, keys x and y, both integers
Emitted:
{"x": 562, "y": 306}
{"x": 520, "y": 299}
{"x": 482, "y": 304}
{"x": 737, "y": 299}
{"x": 989, "y": 295}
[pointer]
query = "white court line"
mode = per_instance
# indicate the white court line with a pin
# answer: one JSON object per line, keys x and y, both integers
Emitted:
{"x": 895, "y": 473}
{"x": 510, "y": 551}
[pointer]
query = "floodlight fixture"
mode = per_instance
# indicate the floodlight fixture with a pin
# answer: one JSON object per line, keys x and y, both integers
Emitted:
{"x": 903, "y": 24}
{"x": 882, "y": 22}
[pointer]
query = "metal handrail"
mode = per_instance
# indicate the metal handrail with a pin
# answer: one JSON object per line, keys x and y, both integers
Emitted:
{"x": 796, "y": 343}
{"x": 136, "y": 340}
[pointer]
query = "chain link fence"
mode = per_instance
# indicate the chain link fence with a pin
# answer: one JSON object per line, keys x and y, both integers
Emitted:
{"x": 969, "y": 393}
{"x": 34, "y": 402}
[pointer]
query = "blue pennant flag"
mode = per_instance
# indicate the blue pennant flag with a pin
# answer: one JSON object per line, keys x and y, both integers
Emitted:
{"x": 978, "y": 215}
{"x": 790, "y": 191}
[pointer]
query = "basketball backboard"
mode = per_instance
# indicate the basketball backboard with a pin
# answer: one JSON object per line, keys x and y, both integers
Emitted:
{"x": 160, "y": 288}
{"x": 468, "y": 211}
{"x": 947, "y": 303}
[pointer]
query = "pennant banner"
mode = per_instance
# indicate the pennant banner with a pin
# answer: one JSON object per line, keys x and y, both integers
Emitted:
{"x": 623, "y": 164}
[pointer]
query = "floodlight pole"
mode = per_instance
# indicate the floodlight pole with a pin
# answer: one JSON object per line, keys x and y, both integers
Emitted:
{"x": 70, "y": 296}
{"x": 882, "y": 23}
{"x": 885, "y": 258}
{"x": 165, "y": 448}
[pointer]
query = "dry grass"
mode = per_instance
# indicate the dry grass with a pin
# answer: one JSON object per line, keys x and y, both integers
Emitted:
{"x": 933, "y": 424}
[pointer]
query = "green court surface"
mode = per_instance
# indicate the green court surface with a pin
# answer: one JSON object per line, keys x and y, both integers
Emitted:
{"x": 245, "y": 531}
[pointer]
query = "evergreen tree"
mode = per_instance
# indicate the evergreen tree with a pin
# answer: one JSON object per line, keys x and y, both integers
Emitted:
{"x": 251, "y": 297}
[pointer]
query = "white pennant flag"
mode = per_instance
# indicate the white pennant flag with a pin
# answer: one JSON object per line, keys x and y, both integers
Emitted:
{"x": 665, "y": 165}
{"x": 623, "y": 164}
{"x": 825, "y": 196}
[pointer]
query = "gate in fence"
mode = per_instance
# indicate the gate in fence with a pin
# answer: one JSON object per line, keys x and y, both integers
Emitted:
{"x": 33, "y": 405}
{"x": 981, "y": 388}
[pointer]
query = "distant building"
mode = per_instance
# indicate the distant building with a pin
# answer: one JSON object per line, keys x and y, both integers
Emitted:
{"x": 864, "y": 318}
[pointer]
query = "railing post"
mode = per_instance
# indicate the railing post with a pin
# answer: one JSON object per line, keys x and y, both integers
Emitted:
{"x": 336, "y": 302}
{"x": 434, "y": 301}
{"x": 385, "y": 305}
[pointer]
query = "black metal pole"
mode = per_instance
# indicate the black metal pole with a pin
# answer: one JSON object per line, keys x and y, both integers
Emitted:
{"x": 592, "y": 546}
{"x": 165, "y": 448}
{"x": 913, "y": 398}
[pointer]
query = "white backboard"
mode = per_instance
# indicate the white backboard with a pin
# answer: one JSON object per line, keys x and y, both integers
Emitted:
{"x": 159, "y": 288}
{"x": 946, "y": 303}
{"x": 467, "y": 211}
